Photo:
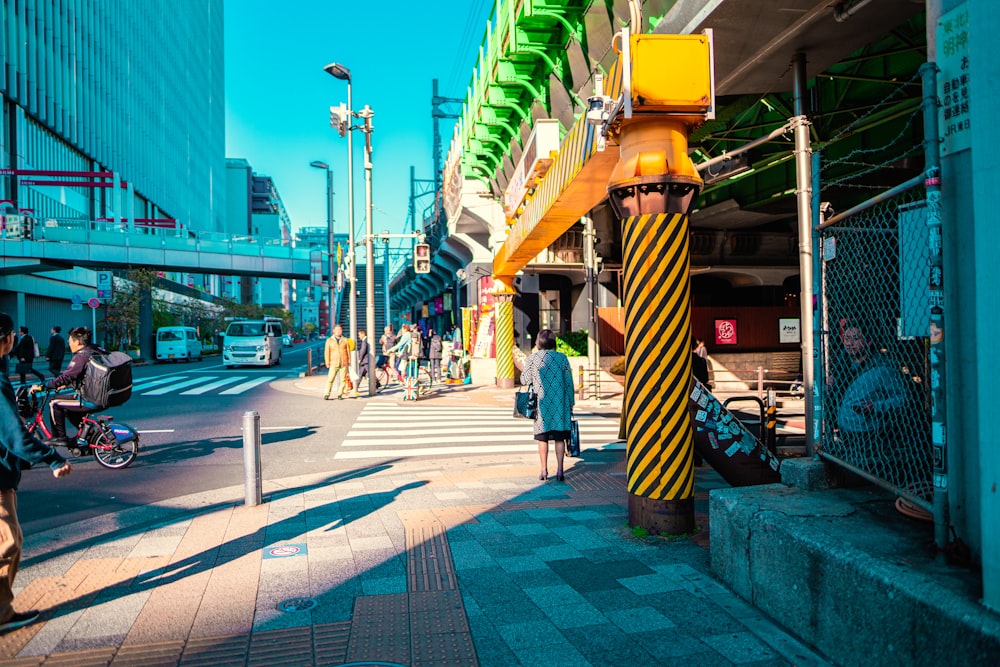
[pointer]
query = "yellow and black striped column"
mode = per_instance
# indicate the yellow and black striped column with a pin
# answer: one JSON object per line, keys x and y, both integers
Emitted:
{"x": 658, "y": 373}
{"x": 503, "y": 312}
{"x": 467, "y": 332}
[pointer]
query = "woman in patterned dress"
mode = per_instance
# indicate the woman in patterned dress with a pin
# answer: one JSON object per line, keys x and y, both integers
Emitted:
{"x": 549, "y": 374}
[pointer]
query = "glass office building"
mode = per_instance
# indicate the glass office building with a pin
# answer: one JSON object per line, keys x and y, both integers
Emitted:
{"x": 131, "y": 88}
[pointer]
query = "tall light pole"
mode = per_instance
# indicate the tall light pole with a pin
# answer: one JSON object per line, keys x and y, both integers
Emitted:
{"x": 388, "y": 317}
{"x": 330, "y": 249}
{"x": 366, "y": 114}
{"x": 338, "y": 71}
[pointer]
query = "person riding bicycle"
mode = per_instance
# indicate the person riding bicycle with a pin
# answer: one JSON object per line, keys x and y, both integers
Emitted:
{"x": 75, "y": 408}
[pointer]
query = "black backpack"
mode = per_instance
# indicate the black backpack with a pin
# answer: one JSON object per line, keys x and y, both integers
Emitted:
{"x": 108, "y": 379}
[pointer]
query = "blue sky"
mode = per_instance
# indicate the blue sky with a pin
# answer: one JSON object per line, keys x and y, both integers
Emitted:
{"x": 278, "y": 96}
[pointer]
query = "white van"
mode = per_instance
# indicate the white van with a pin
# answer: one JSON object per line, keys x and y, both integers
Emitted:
{"x": 252, "y": 343}
{"x": 177, "y": 343}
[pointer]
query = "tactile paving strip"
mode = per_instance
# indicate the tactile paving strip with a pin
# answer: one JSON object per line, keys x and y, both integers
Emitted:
{"x": 316, "y": 645}
{"x": 428, "y": 564}
{"x": 160, "y": 653}
{"x": 216, "y": 651}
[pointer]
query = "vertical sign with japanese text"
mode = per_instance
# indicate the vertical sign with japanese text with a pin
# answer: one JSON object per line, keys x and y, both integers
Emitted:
{"x": 953, "y": 89}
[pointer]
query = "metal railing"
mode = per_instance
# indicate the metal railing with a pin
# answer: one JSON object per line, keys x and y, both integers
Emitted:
{"x": 758, "y": 380}
{"x": 24, "y": 228}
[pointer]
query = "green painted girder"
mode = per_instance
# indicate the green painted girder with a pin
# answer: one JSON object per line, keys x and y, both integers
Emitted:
{"x": 524, "y": 47}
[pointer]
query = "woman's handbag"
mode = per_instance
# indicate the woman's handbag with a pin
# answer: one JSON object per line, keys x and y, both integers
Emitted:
{"x": 525, "y": 403}
{"x": 574, "y": 438}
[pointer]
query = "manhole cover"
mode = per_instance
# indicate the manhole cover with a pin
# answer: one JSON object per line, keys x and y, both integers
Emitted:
{"x": 297, "y": 604}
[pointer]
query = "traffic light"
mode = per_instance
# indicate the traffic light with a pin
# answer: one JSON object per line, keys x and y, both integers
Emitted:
{"x": 340, "y": 120}
{"x": 422, "y": 258}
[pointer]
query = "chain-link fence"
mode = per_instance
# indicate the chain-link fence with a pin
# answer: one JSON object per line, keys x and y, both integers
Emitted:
{"x": 875, "y": 394}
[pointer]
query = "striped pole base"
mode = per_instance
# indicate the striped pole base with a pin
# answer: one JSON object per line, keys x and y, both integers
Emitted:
{"x": 658, "y": 373}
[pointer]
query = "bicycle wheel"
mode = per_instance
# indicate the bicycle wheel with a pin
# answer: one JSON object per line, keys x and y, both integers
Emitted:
{"x": 423, "y": 381}
{"x": 112, "y": 453}
{"x": 381, "y": 378}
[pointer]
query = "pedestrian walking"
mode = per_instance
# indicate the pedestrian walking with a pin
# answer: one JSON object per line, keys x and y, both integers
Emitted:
{"x": 364, "y": 351}
{"x": 55, "y": 353}
{"x": 402, "y": 348}
{"x": 434, "y": 347}
{"x": 15, "y": 446}
{"x": 26, "y": 351}
{"x": 551, "y": 378}
{"x": 337, "y": 355}
{"x": 699, "y": 363}
{"x": 386, "y": 341}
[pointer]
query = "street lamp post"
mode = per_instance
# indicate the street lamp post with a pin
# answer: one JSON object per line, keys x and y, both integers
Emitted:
{"x": 367, "y": 114}
{"x": 338, "y": 71}
{"x": 330, "y": 244}
{"x": 385, "y": 239}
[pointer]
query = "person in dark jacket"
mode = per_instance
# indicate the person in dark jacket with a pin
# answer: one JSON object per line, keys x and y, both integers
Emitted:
{"x": 74, "y": 409}
{"x": 434, "y": 348}
{"x": 364, "y": 351}
{"x": 55, "y": 353}
{"x": 25, "y": 353}
{"x": 15, "y": 446}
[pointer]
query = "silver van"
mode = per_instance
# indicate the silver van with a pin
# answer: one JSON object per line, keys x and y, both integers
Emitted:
{"x": 177, "y": 343}
{"x": 252, "y": 343}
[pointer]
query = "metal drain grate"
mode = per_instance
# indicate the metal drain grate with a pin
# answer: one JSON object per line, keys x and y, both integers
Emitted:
{"x": 296, "y": 605}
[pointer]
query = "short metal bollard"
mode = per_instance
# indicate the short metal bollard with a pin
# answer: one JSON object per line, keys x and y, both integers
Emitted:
{"x": 309, "y": 362}
{"x": 251, "y": 458}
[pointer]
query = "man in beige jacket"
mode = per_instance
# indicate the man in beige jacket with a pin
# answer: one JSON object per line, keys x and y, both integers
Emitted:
{"x": 337, "y": 355}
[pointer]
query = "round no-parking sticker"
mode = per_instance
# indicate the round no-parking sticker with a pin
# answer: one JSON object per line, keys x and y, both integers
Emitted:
{"x": 285, "y": 550}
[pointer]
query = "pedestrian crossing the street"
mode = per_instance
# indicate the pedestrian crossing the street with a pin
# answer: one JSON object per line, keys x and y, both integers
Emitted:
{"x": 197, "y": 384}
{"x": 390, "y": 430}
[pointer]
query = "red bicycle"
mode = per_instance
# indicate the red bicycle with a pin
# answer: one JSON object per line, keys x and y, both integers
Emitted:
{"x": 114, "y": 444}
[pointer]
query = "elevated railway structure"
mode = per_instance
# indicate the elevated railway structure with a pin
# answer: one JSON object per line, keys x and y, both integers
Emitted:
{"x": 680, "y": 172}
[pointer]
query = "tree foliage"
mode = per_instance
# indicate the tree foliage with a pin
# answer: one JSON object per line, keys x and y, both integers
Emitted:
{"x": 121, "y": 321}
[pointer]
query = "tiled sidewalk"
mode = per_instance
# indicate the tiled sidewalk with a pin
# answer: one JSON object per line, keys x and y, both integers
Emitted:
{"x": 461, "y": 562}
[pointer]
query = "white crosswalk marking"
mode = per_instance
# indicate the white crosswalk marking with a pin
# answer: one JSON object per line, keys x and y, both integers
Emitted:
{"x": 389, "y": 430}
{"x": 197, "y": 384}
{"x": 240, "y": 388}
{"x": 177, "y": 385}
{"x": 197, "y": 391}
{"x": 140, "y": 385}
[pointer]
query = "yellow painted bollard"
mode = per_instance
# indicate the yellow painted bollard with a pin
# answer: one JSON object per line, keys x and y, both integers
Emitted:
{"x": 504, "y": 332}
{"x": 658, "y": 373}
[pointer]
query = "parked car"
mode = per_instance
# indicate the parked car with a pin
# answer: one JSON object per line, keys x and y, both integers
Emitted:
{"x": 176, "y": 343}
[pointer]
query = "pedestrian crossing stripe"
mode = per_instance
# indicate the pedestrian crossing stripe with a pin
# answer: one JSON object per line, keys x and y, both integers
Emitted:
{"x": 184, "y": 384}
{"x": 408, "y": 431}
{"x": 178, "y": 385}
{"x": 152, "y": 382}
{"x": 240, "y": 388}
{"x": 450, "y": 427}
{"x": 444, "y": 451}
{"x": 397, "y": 440}
{"x": 197, "y": 391}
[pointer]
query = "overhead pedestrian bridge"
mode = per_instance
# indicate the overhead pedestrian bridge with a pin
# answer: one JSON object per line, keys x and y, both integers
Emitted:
{"x": 61, "y": 244}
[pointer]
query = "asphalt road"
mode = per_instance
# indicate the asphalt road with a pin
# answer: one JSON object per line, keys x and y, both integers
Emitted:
{"x": 190, "y": 419}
